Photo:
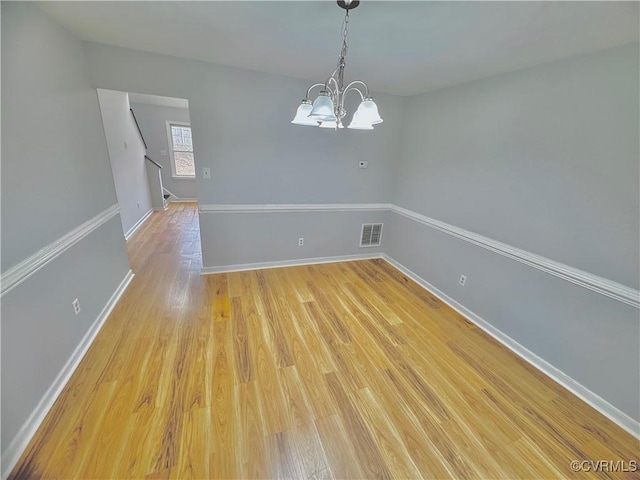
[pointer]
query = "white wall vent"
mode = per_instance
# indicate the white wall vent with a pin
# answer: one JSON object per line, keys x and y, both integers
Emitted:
{"x": 371, "y": 235}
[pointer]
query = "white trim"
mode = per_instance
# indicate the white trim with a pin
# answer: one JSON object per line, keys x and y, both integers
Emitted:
{"x": 287, "y": 263}
{"x": 21, "y": 440}
{"x": 295, "y": 207}
{"x": 138, "y": 224}
{"x": 582, "y": 392}
{"x": 173, "y": 198}
{"x": 597, "y": 284}
{"x": 372, "y": 245}
{"x": 172, "y": 160}
{"x": 20, "y": 272}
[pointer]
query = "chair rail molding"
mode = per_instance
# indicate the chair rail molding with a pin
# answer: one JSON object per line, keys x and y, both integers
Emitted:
{"x": 23, "y": 270}
{"x": 294, "y": 207}
{"x": 595, "y": 283}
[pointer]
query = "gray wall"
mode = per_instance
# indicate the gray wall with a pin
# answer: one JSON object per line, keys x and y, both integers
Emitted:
{"x": 544, "y": 159}
{"x": 55, "y": 168}
{"x": 55, "y": 176}
{"x": 242, "y": 131}
{"x": 153, "y": 123}
{"x": 269, "y": 237}
{"x": 128, "y": 164}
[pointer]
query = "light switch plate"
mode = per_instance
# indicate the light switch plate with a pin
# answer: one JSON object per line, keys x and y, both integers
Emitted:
{"x": 206, "y": 172}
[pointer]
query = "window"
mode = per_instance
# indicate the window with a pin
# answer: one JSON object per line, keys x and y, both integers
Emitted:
{"x": 181, "y": 147}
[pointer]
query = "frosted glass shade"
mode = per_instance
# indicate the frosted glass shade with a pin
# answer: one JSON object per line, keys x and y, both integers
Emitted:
{"x": 302, "y": 115}
{"x": 330, "y": 125}
{"x": 323, "y": 108}
{"x": 368, "y": 112}
{"x": 358, "y": 124}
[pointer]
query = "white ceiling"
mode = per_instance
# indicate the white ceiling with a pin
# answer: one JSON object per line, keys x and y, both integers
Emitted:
{"x": 396, "y": 47}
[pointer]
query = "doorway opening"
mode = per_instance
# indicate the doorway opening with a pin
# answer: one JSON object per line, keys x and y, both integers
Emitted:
{"x": 150, "y": 145}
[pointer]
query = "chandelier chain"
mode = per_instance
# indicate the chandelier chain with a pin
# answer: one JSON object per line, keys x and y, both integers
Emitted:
{"x": 328, "y": 109}
{"x": 345, "y": 34}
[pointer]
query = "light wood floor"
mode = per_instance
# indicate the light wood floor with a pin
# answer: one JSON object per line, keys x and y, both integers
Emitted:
{"x": 345, "y": 370}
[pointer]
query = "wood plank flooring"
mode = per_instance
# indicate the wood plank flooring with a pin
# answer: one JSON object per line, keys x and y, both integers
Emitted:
{"x": 345, "y": 370}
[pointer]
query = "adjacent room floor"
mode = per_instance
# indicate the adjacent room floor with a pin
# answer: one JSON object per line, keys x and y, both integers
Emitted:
{"x": 345, "y": 370}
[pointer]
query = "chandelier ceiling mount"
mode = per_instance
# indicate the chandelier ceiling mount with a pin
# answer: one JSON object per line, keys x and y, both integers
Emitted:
{"x": 348, "y": 5}
{"x": 327, "y": 110}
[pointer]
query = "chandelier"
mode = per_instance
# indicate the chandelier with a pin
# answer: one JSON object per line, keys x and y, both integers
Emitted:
{"x": 327, "y": 110}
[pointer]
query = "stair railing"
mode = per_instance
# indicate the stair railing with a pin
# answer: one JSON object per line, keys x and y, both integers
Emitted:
{"x": 139, "y": 131}
{"x": 154, "y": 162}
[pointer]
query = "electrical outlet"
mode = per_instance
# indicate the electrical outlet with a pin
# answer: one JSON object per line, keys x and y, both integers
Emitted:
{"x": 463, "y": 280}
{"x": 301, "y": 242}
{"x": 163, "y": 153}
{"x": 76, "y": 306}
{"x": 206, "y": 172}
{"x": 363, "y": 164}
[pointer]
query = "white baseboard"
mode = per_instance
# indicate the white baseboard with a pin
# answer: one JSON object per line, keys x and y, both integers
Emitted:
{"x": 287, "y": 263}
{"x": 20, "y": 442}
{"x": 595, "y": 283}
{"x": 176, "y": 199}
{"x": 579, "y": 390}
{"x": 138, "y": 224}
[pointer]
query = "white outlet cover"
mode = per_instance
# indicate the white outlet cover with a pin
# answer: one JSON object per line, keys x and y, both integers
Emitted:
{"x": 206, "y": 172}
{"x": 163, "y": 153}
